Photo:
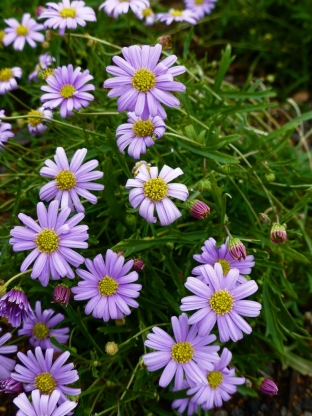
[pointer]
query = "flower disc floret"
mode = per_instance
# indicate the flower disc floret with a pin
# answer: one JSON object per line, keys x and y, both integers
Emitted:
{"x": 214, "y": 379}
{"x": 34, "y": 121}
{"x": 68, "y": 12}
{"x": 65, "y": 180}
{"x": 143, "y": 80}
{"x": 226, "y": 266}
{"x": 108, "y": 286}
{"x": 67, "y": 91}
{"x": 22, "y": 30}
{"x": 143, "y": 128}
{"x": 46, "y": 73}
{"x": 155, "y": 189}
{"x": 176, "y": 13}
{"x": 47, "y": 241}
{"x": 5, "y": 74}
{"x": 40, "y": 330}
{"x": 147, "y": 12}
{"x": 221, "y": 302}
{"x": 45, "y": 383}
{"x": 182, "y": 352}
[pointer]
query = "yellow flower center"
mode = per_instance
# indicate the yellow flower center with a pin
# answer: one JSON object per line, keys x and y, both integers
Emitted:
{"x": 45, "y": 383}
{"x": 155, "y": 189}
{"x": 46, "y": 73}
{"x": 22, "y": 30}
{"x": 199, "y": 2}
{"x": 107, "y": 286}
{"x": 221, "y": 302}
{"x": 175, "y": 13}
{"x": 67, "y": 91}
{"x": 182, "y": 352}
{"x": 47, "y": 241}
{"x": 2, "y": 34}
{"x": 147, "y": 12}
{"x": 5, "y": 74}
{"x": 65, "y": 180}
{"x": 40, "y": 330}
{"x": 143, "y": 128}
{"x": 226, "y": 266}
{"x": 215, "y": 378}
{"x": 68, "y": 12}
{"x": 34, "y": 121}
{"x": 143, "y": 80}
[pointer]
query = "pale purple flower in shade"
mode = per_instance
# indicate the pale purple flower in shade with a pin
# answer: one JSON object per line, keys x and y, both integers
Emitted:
{"x": 67, "y": 88}
{"x": 43, "y": 405}
{"x": 152, "y": 190}
{"x": 70, "y": 179}
{"x": 220, "y": 300}
{"x": 147, "y": 15}
{"x": 139, "y": 134}
{"x": 40, "y": 372}
{"x": 35, "y": 125}
{"x": 108, "y": 286}
{"x": 186, "y": 403}
{"x": 5, "y": 131}
{"x": 39, "y": 328}
{"x": 45, "y": 61}
{"x": 212, "y": 254}
{"x": 200, "y": 7}
{"x": 11, "y": 386}
{"x": 39, "y": 10}
{"x": 6, "y": 364}
{"x": 141, "y": 83}
{"x": 217, "y": 384}
{"x": 116, "y": 7}
{"x": 61, "y": 294}
{"x": 19, "y": 33}
{"x": 182, "y": 355}
{"x": 177, "y": 15}
{"x": 50, "y": 241}
{"x": 15, "y": 307}
{"x": 7, "y": 79}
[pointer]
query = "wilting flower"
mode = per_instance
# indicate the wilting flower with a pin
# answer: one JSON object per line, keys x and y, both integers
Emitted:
{"x": 180, "y": 405}
{"x": 67, "y": 88}
{"x": 212, "y": 254}
{"x": 176, "y": 15}
{"x": 183, "y": 355}
{"x": 111, "y": 348}
{"x": 237, "y": 249}
{"x": 278, "y": 231}
{"x": 5, "y": 131}
{"x": 70, "y": 180}
{"x": 39, "y": 372}
{"x": 6, "y": 364}
{"x": 7, "y": 79}
{"x": 217, "y": 384}
{"x": 198, "y": 209}
{"x": 35, "y": 124}
{"x": 141, "y": 83}
{"x": 200, "y": 7}
{"x": 166, "y": 42}
{"x": 152, "y": 190}
{"x": 39, "y": 328}
{"x": 61, "y": 294}
{"x": 267, "y": 386}
{"x": 43, "y": 404}
{"x": 108, "y": 286}
{"x": 15, "y": 307}
{"x": 147, "y": 15}
{"x": 117, "y": 7}
{"x": 219, "y": 300}
{"x": 139, "y": 134}
{"x": 50, "y": 242}
{"x": 19, "y": 33}
{"x": 45, "y": 61}
{"x": 9, "y": 385}
{"x": 138, "y": 265}
{"x": 67, "y": 14}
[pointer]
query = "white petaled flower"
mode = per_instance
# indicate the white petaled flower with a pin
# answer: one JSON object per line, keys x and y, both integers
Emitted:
{"x": 147, "y": 15}
{"x": 200, "y": 7}
{"x": 35, "y": 124}
{"x": 117, "y": 7}
{"x": 19, "y": 33}
{"x": 176, "y": 15}
{"x": 7, "y": 79}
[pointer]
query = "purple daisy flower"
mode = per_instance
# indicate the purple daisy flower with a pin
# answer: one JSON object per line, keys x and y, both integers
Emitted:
{"x": 67, "y": 88}
{"x": 39, "y": 372}
{"x": 45, "y": 61}
{"x": 19, "y": 33}
{"x": 117, "y": 7}
{"x": 176, "y": 15}
{"x": 219, "y": 300}
{"x": 39, "y": 328}
{"x": 5, "y": 131}
{"x": 139, "y": 134}
{"x": 147, "y": 15}
{"x": 10, "y": 386}
{"x": 200, "y": 7}
{"x": 35, "y": 125}
{"x": 15, "y": 307}
{"x": 152, "y": 190}
{"x": 43, "y": 405}
{"x": 180, "y": 405}
{"x": 70, "y": 180}
{"x": 50, "y": 242}
{"x": 6, "y": 364}
{"x": 212, "y": 255}
{"x": 67, "y": 14}
{"x": 7, "y": 79}
{"x": 183, "y": 355}
{"x": 108, "y": 286}
{"x": 141, "y": 83}
{"x": 217, "y": 384}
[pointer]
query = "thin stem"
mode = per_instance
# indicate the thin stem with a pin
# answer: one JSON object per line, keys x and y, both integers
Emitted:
{"x": 16, "y": 276}
{"x": 131, "y": 379}
{"x": 19, "y": 101}
{"x": 227, "y": 230}
{"x": 142, "y": 332}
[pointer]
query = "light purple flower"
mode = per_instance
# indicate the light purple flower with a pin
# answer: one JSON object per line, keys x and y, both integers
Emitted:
{"x": 45, "y": 61}
{"x": 43, "y": 405}
{"x": 50, "y": 242}
{"x": 180, "y": 405}
{"x": 183, "y": 355}
{"x": 67, "y": 14}
{"x": 219, "y": 300}
{"x": 176, "y": 15}
{"x": 15, "y": 307}
{"x": 70, "y": 180}
{"x": 147, "y": 15}
{"x": 141, "y": 83}
{"x": 39, "y": 328}
{"x": 108, "y": 286}
{"x": 139, "y": 134}
{"x": 35, "y": 124}
{"x": 6, "y": 364}
{"x": 267, "y": 386}
{"x": 5, "y": 131}
{"x": 39, "y": 372}
{"x": 7, "y": 79}
{"x": 200, "y": 7}
{"x": 152, "y": 190}
{"x": 217, "y": 384}
{"x": 19, "y": 33}
{"x": 212, "y": 255}
{"x": 67, "y": 88}
{"x": 10, "y": 386}
{"x": 117, "y": 7}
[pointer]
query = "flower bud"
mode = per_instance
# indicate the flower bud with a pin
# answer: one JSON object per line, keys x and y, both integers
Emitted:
{"x": 267, "y": 386}
{"x": 111, "y": 348}
{"x": 166, "y": 42}
{"x": 270, "y": 177}
{"x": 198, "y": 209}
{"x": 138, "y": 265}
{"x": 131, "y": 220}
{"x": 236, "y": 248}
{"x": 11, "y": 386}
{"x": 2, "y": 34}
{"x": 204, "y": 185}
{"x": 278, "y": 233}
{"x": 39, "y": 10}
{"x": 61, "y": 294}
{"x": 120, "y": 322}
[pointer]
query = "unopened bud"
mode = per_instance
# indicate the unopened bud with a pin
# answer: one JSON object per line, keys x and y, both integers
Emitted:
{"x": 278, "y": 233}
{"x": 39, "y": 10}
{"x": 166, "y": 42}
{"x": 204, "y": 185}
{"x": 45, "y": 44}
{"x": 138, "y": 265}
{"x": 198, "y": 209}
{"x": 61, "y": 294}
{"x": 111, "y": 348}
{"x": 11, "y": 386}
{"x": 267, "y": 386}
{"x": 131, "y": 220}
{"x": 236, "y": 248}
{"x": 120, "y": 322}
{"x": 270, "y": 177}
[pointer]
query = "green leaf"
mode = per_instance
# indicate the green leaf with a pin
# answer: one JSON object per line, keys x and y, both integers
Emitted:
{"x": 246, "y": 391}
{"x": 302, "y": 365}
{"x": 291, "y": 125}
{"x": 298, "y": 207}
{"x": 111, "y": 184}
{"x": 295, "y": 255}
{"x": 226, "y": 60}
{"x": 120, "y": 158}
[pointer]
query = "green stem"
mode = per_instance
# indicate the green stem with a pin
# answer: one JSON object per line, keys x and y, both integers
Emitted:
{"x": 131, "y": 379}
{"x": 142, "y": 332}
{"x": 19, "y": 101}
{"x": 16, "y": 276}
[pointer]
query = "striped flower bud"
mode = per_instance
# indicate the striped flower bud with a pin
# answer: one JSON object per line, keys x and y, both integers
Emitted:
{"x": 278, "y": 233}
{"x": 236, "y": 248}
{"x": 198, "y": 209}
{"x": 267, "y": 386}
